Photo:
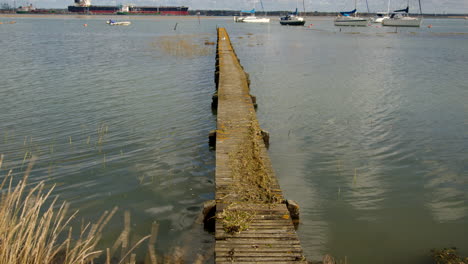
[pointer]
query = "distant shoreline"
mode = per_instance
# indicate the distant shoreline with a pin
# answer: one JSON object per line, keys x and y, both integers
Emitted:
{"x": 194, "y": 16}
{"x": 212, "y": 13}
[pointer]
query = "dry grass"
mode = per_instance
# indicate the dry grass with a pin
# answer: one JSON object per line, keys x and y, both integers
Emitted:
{"x": 252, "y": 179}
{"x": 31, "y": 231}
{"x": 252, "y": 182}
{"x": 184, "y": 46}
{"x": 235, "y": 219}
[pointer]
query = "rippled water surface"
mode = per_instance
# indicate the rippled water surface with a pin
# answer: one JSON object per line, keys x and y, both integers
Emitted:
{"x": 368, "y": 127}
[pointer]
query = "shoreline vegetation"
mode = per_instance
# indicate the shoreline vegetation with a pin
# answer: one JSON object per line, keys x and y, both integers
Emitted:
{"x": 35, "y": 228}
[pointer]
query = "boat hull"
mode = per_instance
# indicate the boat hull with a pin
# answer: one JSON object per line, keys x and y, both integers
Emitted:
{"x": 120, "y": 23}
{"x": 175, "y": 10}
{"x": 255, "y": 20}
{"x": 378, "y": 20}
{"x": 355, "y": 22}
{"x": 292, "y": 23}
{"x": 408, "y": 22}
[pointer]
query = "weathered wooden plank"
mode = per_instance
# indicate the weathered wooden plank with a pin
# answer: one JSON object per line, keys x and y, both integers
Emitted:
{"x": 258, "y": 259}
{"x": 270, "y": 237}
{"x": 261, "y": 229}
{"x": 238, "y": 254}
{"x": 256, "y": 262}
{"x": 266, "y": 229}
{"x": 260, "y": 236}
{"x": 270, "y": 252}
{"x": 261, "y": 247}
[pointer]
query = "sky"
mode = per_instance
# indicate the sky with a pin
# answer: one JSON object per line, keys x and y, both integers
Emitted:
{"x": 428, "y": 6}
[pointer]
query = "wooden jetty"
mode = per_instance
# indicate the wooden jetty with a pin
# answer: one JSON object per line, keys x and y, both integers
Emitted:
{"x": 253, "y": 223}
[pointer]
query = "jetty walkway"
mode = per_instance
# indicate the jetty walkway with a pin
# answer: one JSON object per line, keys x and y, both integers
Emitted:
{"x": 253, "y": 223}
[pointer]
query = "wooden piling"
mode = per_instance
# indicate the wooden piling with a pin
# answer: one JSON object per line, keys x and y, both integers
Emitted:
{"x": 253, "y": 224}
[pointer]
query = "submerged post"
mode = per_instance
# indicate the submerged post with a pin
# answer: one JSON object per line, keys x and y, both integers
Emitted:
{"x": 253, "y": 223}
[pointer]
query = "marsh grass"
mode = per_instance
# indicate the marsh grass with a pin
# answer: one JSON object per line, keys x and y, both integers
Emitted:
{"x": 36, "y": 229}
{"x": 187, "y": 46}
{"x": 32, "y": 231}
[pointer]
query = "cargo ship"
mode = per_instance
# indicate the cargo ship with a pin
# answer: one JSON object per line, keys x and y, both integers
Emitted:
{"x": 85, "y": 7}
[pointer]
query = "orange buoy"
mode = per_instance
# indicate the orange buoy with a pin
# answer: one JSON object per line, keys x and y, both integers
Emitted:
{"x": 430, "y": 26}
{"x": 85, "y": 25}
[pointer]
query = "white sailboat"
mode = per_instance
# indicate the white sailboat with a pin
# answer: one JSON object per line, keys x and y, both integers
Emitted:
{"x": 254, "y": 19}
{"x": 251, "y": 18}
{"x": 401, "y": 18}
{"x": 345, "y": 19}
{"x": 380, "y": 16}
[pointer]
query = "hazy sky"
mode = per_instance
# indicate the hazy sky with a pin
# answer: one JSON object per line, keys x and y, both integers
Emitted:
{"x": 428, "y": 6}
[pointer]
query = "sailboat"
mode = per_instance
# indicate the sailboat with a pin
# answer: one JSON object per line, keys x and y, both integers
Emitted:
{"x": 379, "y": 17}
{"x": 252, "y": 18}
{"x": 401, "y": 18}
{"x": 345, "y": 19}
{"x": 292, "y": 19}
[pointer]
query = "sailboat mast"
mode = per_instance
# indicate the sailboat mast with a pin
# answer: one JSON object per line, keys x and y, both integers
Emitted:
{"x": 388, "y": 8}
{"x": 420, "y": 8}
{"x": 355, "y": 7}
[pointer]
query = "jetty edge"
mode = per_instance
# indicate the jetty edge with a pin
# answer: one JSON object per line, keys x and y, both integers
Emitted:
{"x": 252, "y": 220}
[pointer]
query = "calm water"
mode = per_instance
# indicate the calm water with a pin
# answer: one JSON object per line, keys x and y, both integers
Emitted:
{"x": 368, "y": 127}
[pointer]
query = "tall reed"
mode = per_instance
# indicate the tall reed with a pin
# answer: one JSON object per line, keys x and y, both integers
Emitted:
{"x": 31, "y": 231}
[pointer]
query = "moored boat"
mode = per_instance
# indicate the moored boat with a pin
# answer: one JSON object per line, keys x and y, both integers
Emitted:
{"x": 379, "y": 17}
{"x": 345, "y": 18}
{"x": 351, "y": 21}
{"x": 251, "y": 18}
{"x": 292, "y": 19}
{"x": 401, "y": 18}
{"x": 116, "y": 23}
{"x": 254, "y": 19}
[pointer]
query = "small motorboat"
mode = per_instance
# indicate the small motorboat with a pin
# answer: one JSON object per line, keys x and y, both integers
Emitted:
{"x": 116, "y": 23}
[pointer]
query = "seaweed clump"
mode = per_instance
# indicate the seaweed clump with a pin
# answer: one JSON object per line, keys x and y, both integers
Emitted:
{"x": 252, "y": 179}
{"x": 448, "y": 256}
{"x": 235, "y": 220}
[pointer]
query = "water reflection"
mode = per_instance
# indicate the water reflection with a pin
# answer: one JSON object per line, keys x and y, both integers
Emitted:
{"x": 446, "y": 193}
{"x": 368, "y": 128}
{"x": 352, "y": 118}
